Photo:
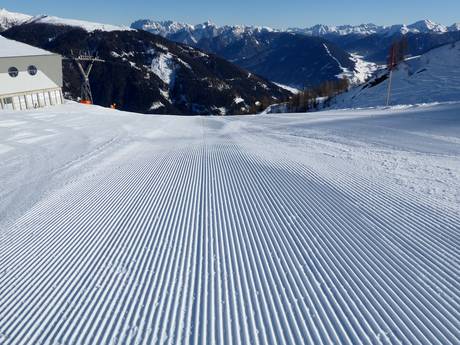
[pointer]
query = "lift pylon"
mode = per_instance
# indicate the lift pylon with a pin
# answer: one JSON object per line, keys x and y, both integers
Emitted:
{"x": 85, "y": 62}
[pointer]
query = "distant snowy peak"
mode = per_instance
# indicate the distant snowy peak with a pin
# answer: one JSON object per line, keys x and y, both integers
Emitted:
{"x": 321, "y": 29}
{"x": 88, "y": 26}
{"x": 454, "y": 27}
{"x": 187, "y": 33}
{"x": 161, "y": 28}
{"x": 422, "y": 26}
{"x": 10, "y": 19}
{"x": 427, "y": 26}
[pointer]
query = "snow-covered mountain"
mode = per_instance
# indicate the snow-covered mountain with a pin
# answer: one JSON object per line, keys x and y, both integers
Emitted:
{"x": 454, "y": 27}
{"x": 431, "y": 77}
{"x": 322, "y": 30}
{"x": 260, "y": 49}
{"x": 147, "y": 73}
{"x": 421, "y": 26}
{"x": 286, "y": 58}
{"x": 192, "y": 34}
{"x": 9, "y": 19}
{"x": 86, "y": 25}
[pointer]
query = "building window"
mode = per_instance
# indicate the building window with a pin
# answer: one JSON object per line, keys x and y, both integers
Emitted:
{"x": 32, "y": 70}
{"x": 13, "y": 72}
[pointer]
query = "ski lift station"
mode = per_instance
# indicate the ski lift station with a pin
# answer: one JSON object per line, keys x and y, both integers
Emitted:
{"x": 29, "y": 77}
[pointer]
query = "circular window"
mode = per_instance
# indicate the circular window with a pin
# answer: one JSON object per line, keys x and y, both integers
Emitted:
{"x": 32, "y": 70}
{"x": 13, "y": 72}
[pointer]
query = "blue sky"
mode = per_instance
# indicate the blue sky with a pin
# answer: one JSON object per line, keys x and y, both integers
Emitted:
{"x": 275, "y": 13}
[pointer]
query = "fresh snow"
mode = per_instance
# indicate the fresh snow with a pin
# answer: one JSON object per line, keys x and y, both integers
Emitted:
{"x": 338, "y": 227}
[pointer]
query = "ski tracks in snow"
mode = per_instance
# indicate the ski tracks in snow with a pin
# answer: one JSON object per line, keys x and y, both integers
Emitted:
{"x": 204, "y": 242}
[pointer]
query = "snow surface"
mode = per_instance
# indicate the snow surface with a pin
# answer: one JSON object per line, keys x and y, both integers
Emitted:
{"x": 431, "y": 77}
{"x": 238, "y": 100}
{"x": 338, "y": 227}
{"x": 9, "y": 19}
{"x": 362, "y": 71}
{"x": 11, "y": 48}
{"x": 163, "y": 66}
{"x": 288, "y": 88}
{"x": 88, "y": 26}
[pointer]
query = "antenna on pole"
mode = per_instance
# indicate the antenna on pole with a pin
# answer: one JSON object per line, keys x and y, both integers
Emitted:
{"x": 83, "y": 58}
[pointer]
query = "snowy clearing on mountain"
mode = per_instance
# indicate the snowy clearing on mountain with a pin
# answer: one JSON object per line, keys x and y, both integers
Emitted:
{"x": 333, "y": 227}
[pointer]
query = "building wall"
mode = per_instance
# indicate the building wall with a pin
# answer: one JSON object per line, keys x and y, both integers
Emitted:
{"x": 29, "y": 92}
{"x": 32, "y": 100}
{"x": 51, "y": 65}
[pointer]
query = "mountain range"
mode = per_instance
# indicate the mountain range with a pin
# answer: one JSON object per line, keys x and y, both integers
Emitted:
{"x": 421, "y": 26}
{"x": 192, "y": 34}
{"x": 286, "y": 58}
{"x": 292, "y": 56}
{"x": 209, "y": 69}
{"x": 147, "y": 73}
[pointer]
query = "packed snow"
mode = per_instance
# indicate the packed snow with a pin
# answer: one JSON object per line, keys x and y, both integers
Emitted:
{"x": 431, "y": 77}
{"x": 338, "y": 227}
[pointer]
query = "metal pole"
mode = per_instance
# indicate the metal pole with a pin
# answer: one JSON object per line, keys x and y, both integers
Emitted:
{"x": 389, "y": 87}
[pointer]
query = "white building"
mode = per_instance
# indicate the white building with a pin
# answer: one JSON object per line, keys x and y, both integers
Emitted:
{"x": 29, "y": 77}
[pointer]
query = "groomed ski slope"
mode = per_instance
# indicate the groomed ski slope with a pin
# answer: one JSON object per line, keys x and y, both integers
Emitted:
{"x": 340, "y": 227}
